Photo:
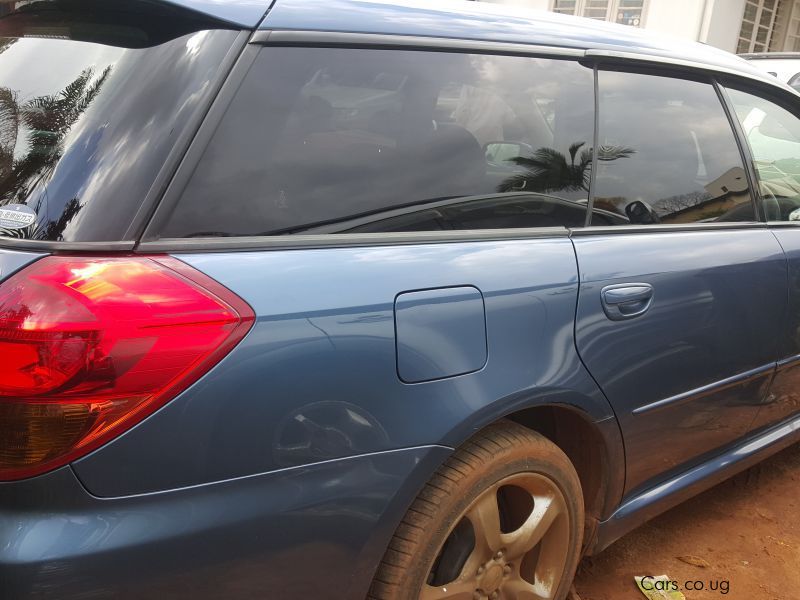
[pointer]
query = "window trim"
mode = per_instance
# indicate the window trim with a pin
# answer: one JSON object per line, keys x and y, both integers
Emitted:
{"x": 28, "y": 245}
{"x": 383, "y": 41}
{"x": 744, "y": 150}
{"x": 683, "y": 227}
{"x": 150, "y": 241}
{"x": 348, "y": 240}
{"x": 336, "y": 39}
{"x": 596, "y": 135}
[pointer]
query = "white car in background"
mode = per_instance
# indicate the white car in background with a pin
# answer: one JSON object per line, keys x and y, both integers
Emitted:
{"x": 783, "y": 65}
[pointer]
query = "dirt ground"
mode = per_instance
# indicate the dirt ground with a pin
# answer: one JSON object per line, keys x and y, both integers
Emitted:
{"x": 746, "y": 530}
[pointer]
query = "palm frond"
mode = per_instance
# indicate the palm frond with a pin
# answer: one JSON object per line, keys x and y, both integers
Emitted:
{"x": 90, "y": 94}
{"x": 609, "y": 153}
{"x": 573, "y": 150}
{"x": 48, "y": 118}
{"x": 9, "y": 128}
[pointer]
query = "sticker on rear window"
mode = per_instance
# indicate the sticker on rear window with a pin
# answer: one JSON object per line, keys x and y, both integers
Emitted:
{"x": 16, "y": 216}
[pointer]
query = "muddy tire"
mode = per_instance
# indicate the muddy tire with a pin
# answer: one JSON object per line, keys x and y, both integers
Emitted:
{"x": 502, "y": 518}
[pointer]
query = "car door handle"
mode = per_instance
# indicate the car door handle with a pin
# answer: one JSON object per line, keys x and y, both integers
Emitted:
{"x": 626, "y": 300}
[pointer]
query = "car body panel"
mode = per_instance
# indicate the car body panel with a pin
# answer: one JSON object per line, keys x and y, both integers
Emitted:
{"x": 650, "y": 503}
{"x": 12, "y": 261}
{"x": 316, "y": 378}
{"x": 255, "y": 536}
{"x": 667, "y": 372}
{"x": 783, "y": 401}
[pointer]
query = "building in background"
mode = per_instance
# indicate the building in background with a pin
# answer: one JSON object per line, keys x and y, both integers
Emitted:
{"x": 770, "y": 25}
{"x": 733, "y": 25}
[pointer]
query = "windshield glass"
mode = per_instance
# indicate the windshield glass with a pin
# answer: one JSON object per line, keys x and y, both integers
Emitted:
{"x": 90, "y": 108}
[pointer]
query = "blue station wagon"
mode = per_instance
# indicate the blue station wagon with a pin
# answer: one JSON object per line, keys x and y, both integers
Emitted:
{"x": 342, "y": 299}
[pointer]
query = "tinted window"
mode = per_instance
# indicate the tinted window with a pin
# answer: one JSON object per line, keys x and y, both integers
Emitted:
{"x": 667, "y": 153}
{"x": 90, "y": 106}
{"x": 774, "y": 137}
{"x": 347, "y": 140}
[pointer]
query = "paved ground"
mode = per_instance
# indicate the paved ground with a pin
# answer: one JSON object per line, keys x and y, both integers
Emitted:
{"x": 746, "y": 530}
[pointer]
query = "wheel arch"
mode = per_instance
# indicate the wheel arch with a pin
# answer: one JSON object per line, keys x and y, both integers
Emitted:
{"x": 588, "y": 435}
{"x": 596, "y": 458}
{"x": 557, "y": 415}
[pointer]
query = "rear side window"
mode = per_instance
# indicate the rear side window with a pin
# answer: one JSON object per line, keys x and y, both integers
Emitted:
{"x": 354, "y": 140}
{"x": 90, "y": 106}
{"x": 774, "y": 137}
{"x": 667, "y": 153}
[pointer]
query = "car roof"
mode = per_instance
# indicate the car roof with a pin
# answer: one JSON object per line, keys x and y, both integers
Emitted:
{"x": 487, "y": 22}
{"x": 471, "y": 21}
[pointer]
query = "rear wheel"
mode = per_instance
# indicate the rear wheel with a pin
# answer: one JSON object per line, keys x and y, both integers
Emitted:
{"x": 502, "y": 518}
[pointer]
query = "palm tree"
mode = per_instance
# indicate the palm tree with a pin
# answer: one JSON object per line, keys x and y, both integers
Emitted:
{"x": 9, "y": 127}
{"x": 48, "y": 120}
{"x": 549, "y": 171}
{"x": 54, "y": 229}
{"x": 9, "y": 120}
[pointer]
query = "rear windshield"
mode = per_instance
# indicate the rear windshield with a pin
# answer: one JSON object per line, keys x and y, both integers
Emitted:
{"x": 90, "y": 106}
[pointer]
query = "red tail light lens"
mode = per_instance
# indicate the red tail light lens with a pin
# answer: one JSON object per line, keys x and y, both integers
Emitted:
{"x": 91, "y": 346}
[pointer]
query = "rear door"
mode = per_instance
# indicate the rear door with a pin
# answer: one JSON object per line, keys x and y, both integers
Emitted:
{"x": 771, "y": 125}
{"x": 679, "y": 307}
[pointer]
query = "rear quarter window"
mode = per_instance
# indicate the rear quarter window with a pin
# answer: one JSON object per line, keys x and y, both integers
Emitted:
{"x": 90, "y": 107}
{"x": 354, "y": 140}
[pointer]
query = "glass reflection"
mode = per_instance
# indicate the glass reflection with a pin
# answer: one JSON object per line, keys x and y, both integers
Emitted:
{"x": 85, "y": 126}
{"x": 44, "y": 122}
{"x": 686, "y": 166}
{"x": 774, "y": 137}
{"x": 334, "y": 140}
{"x": 547, "y": 169}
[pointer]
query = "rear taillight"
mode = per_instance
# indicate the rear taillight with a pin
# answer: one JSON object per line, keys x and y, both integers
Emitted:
{"x": 91, "y": 346}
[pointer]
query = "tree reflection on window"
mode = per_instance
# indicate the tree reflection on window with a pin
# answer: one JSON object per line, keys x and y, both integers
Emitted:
{"x": 547, "y": 170}
{"x": 43, "y": 123}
